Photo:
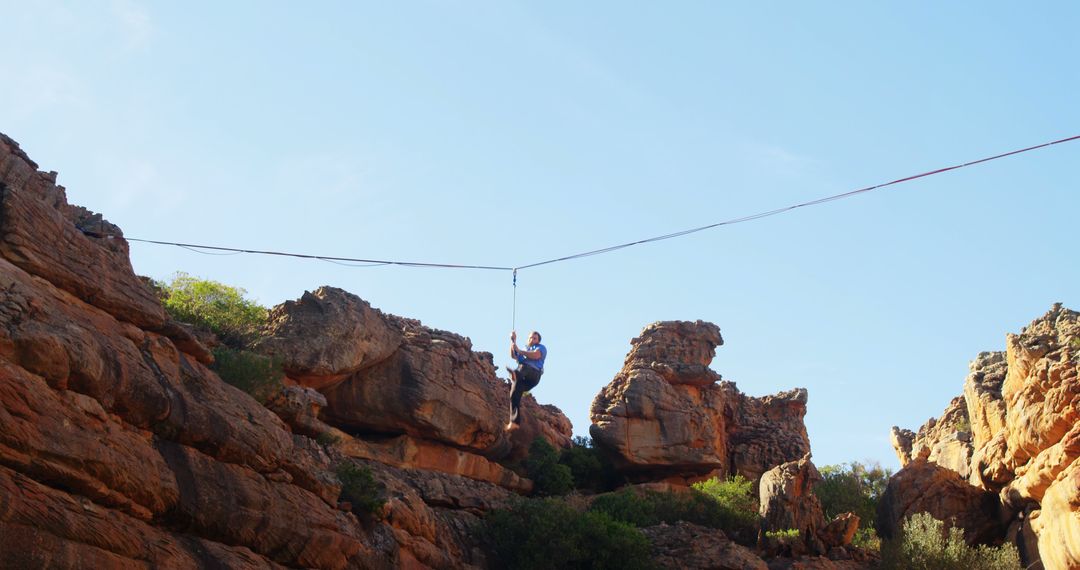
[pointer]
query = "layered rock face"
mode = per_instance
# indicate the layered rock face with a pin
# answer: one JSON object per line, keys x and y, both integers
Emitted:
{"x": 667, "y": 414}
{"x": 119, "y": 448}
{"x": 1018, "y": 425}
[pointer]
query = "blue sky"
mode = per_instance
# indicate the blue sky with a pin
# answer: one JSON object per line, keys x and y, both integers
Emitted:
{"x": 506, "y": 133}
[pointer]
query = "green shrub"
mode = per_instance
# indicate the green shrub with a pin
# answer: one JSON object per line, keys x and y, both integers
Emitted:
{"x": 924, "y": 544}
{"x": 255, "y": 374}
{"x": 540, "y": 534}
{"x": 734, "y": 494}
{"x": 786, "y": 538}
{"x": 591, "y": 468}
{"x": 866, "y": 538}
{"x": 648, "y": 508}
{"x": 327, "y": 438}
{"x": 359, "y": 487}
{"x": 852, "y": 487}
{"x": 548, "y": 475}
{"x": 215, "y": 307}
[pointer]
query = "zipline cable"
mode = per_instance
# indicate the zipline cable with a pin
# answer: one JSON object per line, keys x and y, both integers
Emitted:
{"x": 757, "y": 216}
{"x": 790, "y": 208}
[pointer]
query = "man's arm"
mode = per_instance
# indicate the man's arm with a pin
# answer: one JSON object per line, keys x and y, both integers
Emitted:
{"x": 513, "y": 345}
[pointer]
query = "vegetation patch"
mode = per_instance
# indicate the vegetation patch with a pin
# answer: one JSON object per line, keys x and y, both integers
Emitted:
{"x": 360, "y": 489}
{"x": 258, "y": 375}
{"x": 548, "y": 475}
{"x": 213, "y": 306}
{"x": 854, "y": 488}
{"x": 925, "y": 544}
{"x": 590, "y": 467}
{"x": 542, "y": 534}
{"x": 726, "y": 505}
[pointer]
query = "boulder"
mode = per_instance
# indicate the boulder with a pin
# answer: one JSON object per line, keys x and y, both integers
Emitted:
{"x": 923, "y": 486}
{"x": 840, "y": 531}
{"x": 667, "y": 414}
{"x": 689, "y": 546}
{"x": 327, "y": 335}
{"x": 299, "y": 407}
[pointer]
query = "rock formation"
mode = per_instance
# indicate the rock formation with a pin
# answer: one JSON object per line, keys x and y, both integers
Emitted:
{"x": 667, "y": 414}
{"x": 120, "y": 448}
{"x": 1014, "y": 435}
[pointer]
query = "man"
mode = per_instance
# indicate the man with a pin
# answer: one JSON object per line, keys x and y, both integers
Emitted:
{"x": 527, "y": 374}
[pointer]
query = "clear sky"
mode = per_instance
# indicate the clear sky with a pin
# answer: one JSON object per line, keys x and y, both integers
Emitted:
{"x": 505, "y": 133}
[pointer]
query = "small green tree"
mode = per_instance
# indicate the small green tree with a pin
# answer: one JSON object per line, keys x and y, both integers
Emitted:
{"x": 925, "y": 544}
{"x": 548, "y": 475}
{"x": 735, "y": 494}
{"x": 213, "y": 306}
{"x": 591, "y": 468}
{"x": 852, "y": 487}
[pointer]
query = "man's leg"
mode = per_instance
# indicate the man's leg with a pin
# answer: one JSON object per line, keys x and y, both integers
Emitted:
{"x": 526, "y": 379}
{"x": 516, "y": 390}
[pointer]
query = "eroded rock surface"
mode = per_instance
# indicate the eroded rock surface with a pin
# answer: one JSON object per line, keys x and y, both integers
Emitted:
{"x": 668, "y": 414}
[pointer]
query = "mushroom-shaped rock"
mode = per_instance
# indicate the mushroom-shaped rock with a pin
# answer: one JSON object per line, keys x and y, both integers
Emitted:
{"x": 667, "y": 413}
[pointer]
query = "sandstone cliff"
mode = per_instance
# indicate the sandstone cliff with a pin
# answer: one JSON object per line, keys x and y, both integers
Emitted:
{"x": 120, "y": 448}
{"x": 1004, "y": 458}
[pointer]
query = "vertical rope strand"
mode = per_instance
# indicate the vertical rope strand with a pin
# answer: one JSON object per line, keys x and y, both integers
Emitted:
{"x": 513, "y": 324}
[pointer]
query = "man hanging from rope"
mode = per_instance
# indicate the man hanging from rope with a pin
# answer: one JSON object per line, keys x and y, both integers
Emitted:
{"x": 527, "y": 374}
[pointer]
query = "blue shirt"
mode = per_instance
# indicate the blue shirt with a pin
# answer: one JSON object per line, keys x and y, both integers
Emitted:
{"x": 534, "y": 363}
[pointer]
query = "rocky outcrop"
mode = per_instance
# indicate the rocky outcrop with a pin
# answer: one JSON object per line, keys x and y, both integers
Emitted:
{"x": 668, "y": 414}
{"x": 945, "y": 440}
{"x": 72, "y": 248}
{"x": 1019, "y": 420}
{"x": 384, "y": 376}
